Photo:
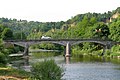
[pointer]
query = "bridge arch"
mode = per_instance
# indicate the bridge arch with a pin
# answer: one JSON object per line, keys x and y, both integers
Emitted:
{"x": 99, "y": 42}
{"x": 59, "y": 43}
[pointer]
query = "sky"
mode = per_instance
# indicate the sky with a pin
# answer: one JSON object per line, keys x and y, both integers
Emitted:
{"x": 53, "y": 10}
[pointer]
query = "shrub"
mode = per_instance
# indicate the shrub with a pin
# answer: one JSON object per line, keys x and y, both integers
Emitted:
{"x": 2, "y": 59}
{"x": 46, "y": 70}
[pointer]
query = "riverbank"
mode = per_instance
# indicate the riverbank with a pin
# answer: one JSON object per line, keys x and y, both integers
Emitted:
{"x": 7, "y": 73}
{"x": 108, "y": 53}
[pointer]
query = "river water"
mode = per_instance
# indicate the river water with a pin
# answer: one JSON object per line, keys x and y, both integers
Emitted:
{"x": 84, "y": 67}
{"x": 92, "y": 71}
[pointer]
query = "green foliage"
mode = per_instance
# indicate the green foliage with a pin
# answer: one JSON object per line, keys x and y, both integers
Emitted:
{"x": 115, "y": 30}
{"x": 101, "y": 30}
{"x": 36, "y": 35}
{"x": 18, "y": 26}
{"x": 114, "y": 54}
{"x": 46, "y": 70}
{"x": 14, "y": 72}
{"x": 115, "y": 48}
{"x": 47, "y": 46}
{"x": 17, "y": 49}
{"x": 19, "y": 35}
{"x": 117, "y": 10}
{"x": 45, "y": 54}
{"x": 2, "y": 58}
{"x": 1, "y": 29}
{"x": 88, "y": 25}
{"x": 82, "y": 29}
{"x": 7, "y": 34}
{"x": 3, "y": 54}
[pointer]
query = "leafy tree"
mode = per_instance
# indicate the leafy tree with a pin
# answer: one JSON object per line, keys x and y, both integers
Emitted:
{"x": 35, "y": 35}
{"x": 83, "y": 29}
{"x": 101, "y": 30}
{"x": 19, "y": 35}
{"x": 93, "y": 20}
{"x": 3, "y": 53}
{"x": 46, "y": 70}
{"x": 1, "y": 29}
{"x": 115, "y": 30}
{"x": 7, "y": 34}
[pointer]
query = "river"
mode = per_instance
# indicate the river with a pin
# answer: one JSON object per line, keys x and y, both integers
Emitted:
{"x": 83, "y": 67}
{"x": 92, "y": 71}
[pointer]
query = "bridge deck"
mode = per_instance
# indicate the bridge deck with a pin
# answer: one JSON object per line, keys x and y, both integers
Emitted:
{"x": 55, "y": 40}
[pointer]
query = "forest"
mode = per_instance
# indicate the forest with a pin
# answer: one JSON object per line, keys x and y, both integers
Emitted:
{"x": 104, "y": 26}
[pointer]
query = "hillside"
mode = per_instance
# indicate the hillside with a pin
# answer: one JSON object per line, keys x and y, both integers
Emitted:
{"x": 23, "y": 26}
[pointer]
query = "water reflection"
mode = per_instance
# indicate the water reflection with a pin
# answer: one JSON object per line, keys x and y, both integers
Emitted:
{"x": 26, "y": 61}
{"x": 67, "y": 60}
{"x": 92, "y": 68}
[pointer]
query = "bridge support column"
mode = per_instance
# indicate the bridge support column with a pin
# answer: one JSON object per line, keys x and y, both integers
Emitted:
{"x": 104, "y": 49}
{"x": 64, "y": 50}
{"x": 68, "y": 50}
{"x": 67, "y": 60}
{"x": 26, "y": 61}
{"x": 26, "y": 50}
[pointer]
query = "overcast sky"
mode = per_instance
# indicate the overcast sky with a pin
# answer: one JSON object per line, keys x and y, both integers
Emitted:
{"x": 53, "y": 10}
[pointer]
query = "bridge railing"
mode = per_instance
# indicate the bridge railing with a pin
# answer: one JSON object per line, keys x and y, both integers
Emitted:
{"x": 56, "y": 40}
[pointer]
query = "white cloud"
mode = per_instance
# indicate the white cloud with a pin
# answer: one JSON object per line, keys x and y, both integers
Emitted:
{"x": 53, "y": 10}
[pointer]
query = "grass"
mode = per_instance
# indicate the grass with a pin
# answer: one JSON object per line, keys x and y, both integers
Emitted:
{"x": 14, "y": 74}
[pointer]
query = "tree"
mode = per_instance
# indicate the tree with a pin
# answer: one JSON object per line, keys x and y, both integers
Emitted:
{"x": 19, "y": 35}
{"x": 7, "y": 34}
{"x": 1, "y": 29}
{"x": 115, "y": 31}
{"x": 46, "y": 70}
{"x": 100, "y": 30}
{"x": 3, "y": 54}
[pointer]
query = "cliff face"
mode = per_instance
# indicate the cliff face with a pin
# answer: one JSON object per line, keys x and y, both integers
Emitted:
{"x": 114, "y": 16}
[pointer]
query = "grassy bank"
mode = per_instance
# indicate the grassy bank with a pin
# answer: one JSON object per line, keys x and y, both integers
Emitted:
{"x": 13, "y": 74}
{"x": 108, "y": 53}
{"x": 43, "y": 70}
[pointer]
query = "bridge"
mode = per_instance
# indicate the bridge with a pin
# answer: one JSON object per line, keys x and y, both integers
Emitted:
{"x": 67, "y": 43}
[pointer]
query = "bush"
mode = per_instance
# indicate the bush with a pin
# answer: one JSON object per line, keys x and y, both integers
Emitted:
{"x": 2, "y": 59}
{"x": 115, "y": 48}
{"x": 9, "y": 71}
{"x": 46, "y": 70}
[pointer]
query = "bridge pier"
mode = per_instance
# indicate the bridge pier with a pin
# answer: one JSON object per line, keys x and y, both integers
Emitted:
{"x": 64, "y": 50}
{"x": 68, "y": 50}
{"x": 26, "y": 61}
{"x": 67, "y": 60}
{"x": 104, "y": 49}
{"x": 26, "y": 50}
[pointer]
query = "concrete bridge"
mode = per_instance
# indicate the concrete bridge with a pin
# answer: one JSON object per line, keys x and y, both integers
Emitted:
{"x": 67, "y": 43}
